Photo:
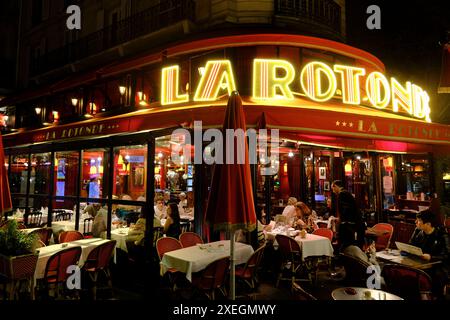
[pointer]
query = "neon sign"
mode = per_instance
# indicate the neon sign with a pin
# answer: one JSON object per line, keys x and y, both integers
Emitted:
{"x": 273, "y": 80}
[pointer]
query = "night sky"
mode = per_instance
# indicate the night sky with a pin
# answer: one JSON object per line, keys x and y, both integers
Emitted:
{"x": 409, "y": 42}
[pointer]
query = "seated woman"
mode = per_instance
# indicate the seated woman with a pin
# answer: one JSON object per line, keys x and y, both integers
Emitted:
{"x": 160, "y": 208}
{"x": 137, "y": 232}
{"x": 289, "y": 210}
{"x": 305, "y": 217}
{"x": 172, "y": 226}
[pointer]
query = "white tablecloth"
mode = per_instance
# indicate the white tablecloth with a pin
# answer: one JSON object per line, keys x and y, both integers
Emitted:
{"x": 46, "y": 252}
{"x": 314, "y": 245}
{"x": 362, "y": 294}
{"x": 194, "y": 259}
{"x": 120, "y": 235}
{"x": 65, "y": 225}
{"x": 28, "y": 230}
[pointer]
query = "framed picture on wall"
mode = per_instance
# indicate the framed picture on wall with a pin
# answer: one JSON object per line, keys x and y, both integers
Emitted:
{"x": 322, "y": 173}
{"x": 326, "y": 185}
{"x": 139, "y": 176}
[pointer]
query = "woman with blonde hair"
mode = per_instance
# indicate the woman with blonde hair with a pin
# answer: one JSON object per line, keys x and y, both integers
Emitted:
{"x": 289, "y": 210}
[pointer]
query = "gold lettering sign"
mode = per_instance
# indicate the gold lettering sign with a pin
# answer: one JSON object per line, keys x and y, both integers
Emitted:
{"x": 93, "y": 129}
{"x": 273, "y": 80}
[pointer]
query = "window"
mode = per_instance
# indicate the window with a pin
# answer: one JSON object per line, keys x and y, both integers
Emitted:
{"x": 66, "y": 173}
{"x": 93, "y": 184}
{"x": 130, "y": 167}
{"x": 36, "y": 12}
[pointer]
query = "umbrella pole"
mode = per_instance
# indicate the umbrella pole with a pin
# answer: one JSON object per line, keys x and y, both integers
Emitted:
{"x": 232, "y": 268}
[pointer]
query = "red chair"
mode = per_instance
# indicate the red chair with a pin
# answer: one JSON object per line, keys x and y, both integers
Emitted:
{"x": 383, "y": 241}
{"x": 190, "y": 239}
{"x": 167, "y": 244}
{"x": 212, "y": 278}
{"x": 56, "y": 268}
{"x": 247, "y": 273}
{"x": 324, "y": 232}
{"x": 355, "y": 270}
{"x": 291, "y": 254}
{"x": 44, "y": 234}
{"x": 68, "y": 236}
{"x": 19, "y": 269}
{"x": 447, "y": 224}
{"x": 407, "y": 282}
{"x": 97, "y": 262}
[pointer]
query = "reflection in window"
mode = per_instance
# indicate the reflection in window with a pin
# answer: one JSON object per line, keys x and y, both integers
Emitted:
{"x": 19, "y": 174}
{"x": 130, "y": 164}
{"x": 387, "y": 180}
{"x": 66, "y": 168}
{"x": 40, "y": 173}
{"x": 92, "y": 174}
{"x": 174, "y": 180}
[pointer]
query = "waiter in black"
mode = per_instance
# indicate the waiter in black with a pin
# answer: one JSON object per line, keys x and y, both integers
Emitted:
{"x": 351, "y": 227}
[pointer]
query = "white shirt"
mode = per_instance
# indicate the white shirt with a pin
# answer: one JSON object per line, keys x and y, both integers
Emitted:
{"x": 160, "y": 214}
{"x": 181, "y": 207}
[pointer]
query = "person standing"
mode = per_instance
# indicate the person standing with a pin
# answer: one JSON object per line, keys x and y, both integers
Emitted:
{"x": 351, "y": 228}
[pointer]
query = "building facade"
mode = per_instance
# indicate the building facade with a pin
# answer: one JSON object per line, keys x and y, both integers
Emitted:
{"x": 98, "y": 107}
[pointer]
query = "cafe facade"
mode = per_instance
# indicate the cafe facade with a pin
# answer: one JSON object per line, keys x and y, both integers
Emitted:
{"x": 338, "y": 113}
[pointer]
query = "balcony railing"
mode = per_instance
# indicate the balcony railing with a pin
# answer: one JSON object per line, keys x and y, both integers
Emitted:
{"x": 166, "y": 13}
{"x": 325, "y": 12}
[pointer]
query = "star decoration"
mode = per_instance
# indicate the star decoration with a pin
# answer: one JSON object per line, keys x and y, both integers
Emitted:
{"x": 344, "y": 124}
{"x": 350, "y": 124}
{"x": 337, "y": 123}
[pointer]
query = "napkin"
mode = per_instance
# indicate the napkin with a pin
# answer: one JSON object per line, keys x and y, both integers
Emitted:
{"x": 19, "y": 213}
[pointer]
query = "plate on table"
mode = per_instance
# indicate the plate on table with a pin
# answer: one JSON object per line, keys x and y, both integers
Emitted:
{"x": 350, "y": 291}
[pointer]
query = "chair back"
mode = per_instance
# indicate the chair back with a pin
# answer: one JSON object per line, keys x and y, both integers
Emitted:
{"x": 253, "y": 262}
{"x": 34, "y": 219}
{"x": 87, "y": 226}
{"x": 23, "y": 267}
{"x": 167, "y": 244}
{"x": 287, "y": 246}
{"x": 301, "y": 293}
{"x": 61, "y": 215}
{"x": 44, "y": 234}
{"x": 407, "y": 282}
{"x": 324, "y": 232}
{"x": 447, "y": 224}
{"x": 383, "y": 241}
{"x": 72, "y": 235}
{"x": 189, "y": 239}
{"x": 99, "y": 257}
{"x": 185, "y": 226}
{"x": 214, "y": 275}
{"x": 157, "y": 233}
{"x": 57, "y": 264}
{"x": 355, "y": 270}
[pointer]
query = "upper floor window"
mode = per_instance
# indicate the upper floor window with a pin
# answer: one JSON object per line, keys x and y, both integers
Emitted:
{"x": 36, "y": 12}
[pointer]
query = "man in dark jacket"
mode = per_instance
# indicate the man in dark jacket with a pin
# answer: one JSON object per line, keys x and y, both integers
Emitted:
{"x": 351, "y": 226}
{"x": 434, "y": 242}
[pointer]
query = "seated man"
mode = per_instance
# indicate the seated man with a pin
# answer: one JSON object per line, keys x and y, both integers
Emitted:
{"x": 434, "y": 242}
{"x": 369, "y": 256}
{"x": 99, "y": 225}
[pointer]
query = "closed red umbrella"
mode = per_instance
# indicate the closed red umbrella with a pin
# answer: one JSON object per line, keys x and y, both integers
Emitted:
{"x": 230, "y": 204}
{"x": 5, "y": 194}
